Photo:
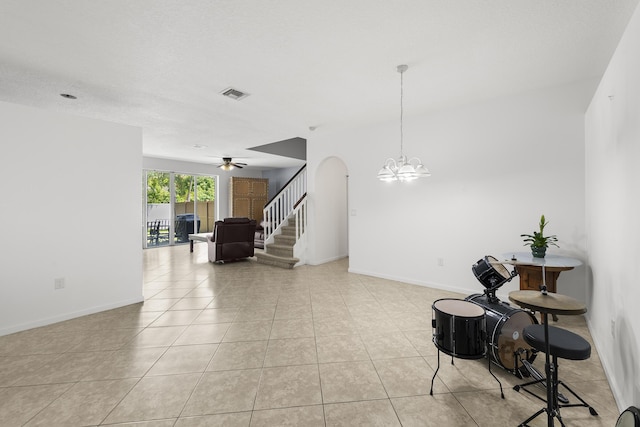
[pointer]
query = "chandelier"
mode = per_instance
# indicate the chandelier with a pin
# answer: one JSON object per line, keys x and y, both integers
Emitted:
{"x": 402, "y": 169}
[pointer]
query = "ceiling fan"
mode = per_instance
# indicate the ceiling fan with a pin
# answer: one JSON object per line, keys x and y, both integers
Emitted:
{"x": 228, "y": 164}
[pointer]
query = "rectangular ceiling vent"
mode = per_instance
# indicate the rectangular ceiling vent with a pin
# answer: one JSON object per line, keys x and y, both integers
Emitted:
{"x": 234, "y": 94}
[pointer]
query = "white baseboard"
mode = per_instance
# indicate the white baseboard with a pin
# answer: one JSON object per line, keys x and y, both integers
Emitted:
{"x": 324, "y": 261}
{"x": 426, "y": 284}
{"x": 66, "y": 316}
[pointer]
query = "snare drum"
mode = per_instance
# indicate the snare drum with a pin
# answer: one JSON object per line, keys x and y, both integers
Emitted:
{"x": 504, "y": 331}
{"x": 459, "y": 328}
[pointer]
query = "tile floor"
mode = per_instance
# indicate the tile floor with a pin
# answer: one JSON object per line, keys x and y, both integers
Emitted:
{"x": 245, "y": 344}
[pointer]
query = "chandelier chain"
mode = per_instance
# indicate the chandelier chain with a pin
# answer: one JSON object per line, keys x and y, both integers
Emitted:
{"x": 401, "y": 112}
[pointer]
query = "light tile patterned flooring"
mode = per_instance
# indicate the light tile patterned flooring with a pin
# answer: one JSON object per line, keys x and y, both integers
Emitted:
{"x": 245, "y": 344}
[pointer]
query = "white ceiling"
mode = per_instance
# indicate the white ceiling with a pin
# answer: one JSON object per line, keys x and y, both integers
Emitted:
{"x": 160, "y": 64}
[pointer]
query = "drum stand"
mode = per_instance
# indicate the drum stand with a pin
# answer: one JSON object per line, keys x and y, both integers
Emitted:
{"x": 491, "y": 292}
{"x": 564, "y": 402}
{"x": 552, "y": 407}
{"x": 483, "y": 355}
{"x": 525, "y": 366}
{"x": 537, "y": 376}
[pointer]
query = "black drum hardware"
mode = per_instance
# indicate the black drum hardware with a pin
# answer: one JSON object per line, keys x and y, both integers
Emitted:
{"x": 506, "y": 346}
{"x": 492, "y": 275}
{"x": 483, "y": 326}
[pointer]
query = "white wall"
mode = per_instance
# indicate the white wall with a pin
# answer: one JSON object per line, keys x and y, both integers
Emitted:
{"x": 613, "y": 217}
{"x": 222, "y": 182}
{"x": 497, "y": 166}
{"x": 70, "y": 208}
{"x": 278, "y": 178}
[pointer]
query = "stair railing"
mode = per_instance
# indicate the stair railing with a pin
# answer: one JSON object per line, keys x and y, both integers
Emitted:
{"x": 300, "y": 215}
{"x": 278, "y": 210}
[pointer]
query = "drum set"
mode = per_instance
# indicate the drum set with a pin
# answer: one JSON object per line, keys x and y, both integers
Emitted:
{"x": 483, "y": 326}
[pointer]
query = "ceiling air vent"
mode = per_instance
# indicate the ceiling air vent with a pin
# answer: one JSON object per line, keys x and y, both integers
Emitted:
{"x": 234, "y": 94}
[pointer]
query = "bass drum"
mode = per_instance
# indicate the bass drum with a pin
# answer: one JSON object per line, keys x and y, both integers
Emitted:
{"x": 504, "y": 331}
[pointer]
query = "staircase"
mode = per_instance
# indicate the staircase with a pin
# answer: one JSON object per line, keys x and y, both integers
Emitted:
{"x": 285, "y": 223}
{"x": 280, "y": 252}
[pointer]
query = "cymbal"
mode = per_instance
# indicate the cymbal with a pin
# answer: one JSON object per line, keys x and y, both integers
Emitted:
{"x": 551, "y": 303}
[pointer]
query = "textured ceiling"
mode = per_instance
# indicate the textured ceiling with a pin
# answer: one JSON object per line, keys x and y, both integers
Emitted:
{"x": 160, "y": 64}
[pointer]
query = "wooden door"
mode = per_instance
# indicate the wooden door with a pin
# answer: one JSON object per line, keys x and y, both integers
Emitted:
{"x": 248, "y": 197}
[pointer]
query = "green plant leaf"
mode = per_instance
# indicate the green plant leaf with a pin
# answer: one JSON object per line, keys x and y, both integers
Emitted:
{"x": 538, "y": 239}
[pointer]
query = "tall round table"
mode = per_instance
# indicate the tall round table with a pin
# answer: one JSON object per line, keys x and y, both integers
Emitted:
{"x": 539, "y": 273}
{"x": 549, "y": 303}
{"x": 534, "y": 272}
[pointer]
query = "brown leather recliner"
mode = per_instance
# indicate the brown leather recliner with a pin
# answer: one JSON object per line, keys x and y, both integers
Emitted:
{"x": 232, "y": 239}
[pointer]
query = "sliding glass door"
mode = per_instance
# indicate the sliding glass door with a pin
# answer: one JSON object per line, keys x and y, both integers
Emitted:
{"x": 185, "y": 219}
{"x": 158, "y": 218}
{"x": 205, "y": 202}
{"x": 178, "y": 205}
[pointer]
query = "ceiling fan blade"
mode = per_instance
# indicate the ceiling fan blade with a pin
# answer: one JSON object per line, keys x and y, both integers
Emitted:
{"x": 228, "y": 163}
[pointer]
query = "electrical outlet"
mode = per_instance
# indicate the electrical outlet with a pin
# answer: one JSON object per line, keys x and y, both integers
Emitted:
{"x": 441, "y": 262}
{"x": 58, "y": 283}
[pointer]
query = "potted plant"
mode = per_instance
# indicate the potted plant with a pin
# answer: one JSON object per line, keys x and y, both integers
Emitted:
{"x": 538, "y": 241}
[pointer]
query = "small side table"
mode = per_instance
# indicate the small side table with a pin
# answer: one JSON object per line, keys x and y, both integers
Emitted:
{"x": 202, "y": 237}
{"x": 531, "y": 277}
{"x": 530, "y": 269}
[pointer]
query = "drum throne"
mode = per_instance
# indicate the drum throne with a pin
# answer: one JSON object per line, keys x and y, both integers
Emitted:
{"x": 563, "y": 344}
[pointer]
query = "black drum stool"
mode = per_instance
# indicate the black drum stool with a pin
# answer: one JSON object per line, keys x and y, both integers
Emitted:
{"x": 562, "y": 344}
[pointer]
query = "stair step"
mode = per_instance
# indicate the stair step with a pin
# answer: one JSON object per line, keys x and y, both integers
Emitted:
{"x": 288, "y": 230}
{"x": 281, "y": 239}
{"x": 279, "y": 250}
{"x": 276, "y": 261}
